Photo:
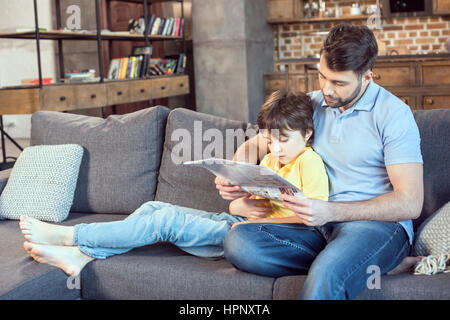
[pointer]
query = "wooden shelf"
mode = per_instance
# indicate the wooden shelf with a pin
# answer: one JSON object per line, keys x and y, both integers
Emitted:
{"x": 75, "y": 96}
{"x": 56, "y": 35}
{"x": 148, "y": 1}
{"x": 314, "y": 20}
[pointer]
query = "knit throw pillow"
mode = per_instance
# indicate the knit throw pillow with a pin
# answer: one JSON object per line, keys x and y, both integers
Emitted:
{"x": 433, "y": 235}
{"x": 42, "y": 183}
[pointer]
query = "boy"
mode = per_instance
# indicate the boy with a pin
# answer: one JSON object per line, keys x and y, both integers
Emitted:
{"x": 286, "y": 121}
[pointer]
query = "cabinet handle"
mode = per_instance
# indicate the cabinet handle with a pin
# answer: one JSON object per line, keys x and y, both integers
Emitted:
{"x": 376, "y": 76}
{"x": 405, "y": 100}
{"x": 181, "y": 85}
{"x": 93, "y": 96}
{"x": 429, "y": 101}
{"x": 163, "y": 88}
{"x": 142, "y": 90}
{"x": 119, "y": 93}
{"x": 63, "y": 98}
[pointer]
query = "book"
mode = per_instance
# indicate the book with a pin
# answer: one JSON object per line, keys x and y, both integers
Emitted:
{"x": 114, "y": 69}
{"x": 155, "y": 26}
{"x": 161, "y": 26}
{"x": 123, "y": 68}
{"x": 257, "y": 180}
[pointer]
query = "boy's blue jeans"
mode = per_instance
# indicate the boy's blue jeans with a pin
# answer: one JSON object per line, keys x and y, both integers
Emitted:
{"x": 340, "y": 258}
{"x": 197, "y": 232}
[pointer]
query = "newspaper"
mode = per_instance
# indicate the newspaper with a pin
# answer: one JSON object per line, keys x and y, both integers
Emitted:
{"x": 257, "y": 180}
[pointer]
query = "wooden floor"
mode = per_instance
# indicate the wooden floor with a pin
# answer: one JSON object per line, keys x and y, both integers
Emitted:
{"x": 12, "y": 151}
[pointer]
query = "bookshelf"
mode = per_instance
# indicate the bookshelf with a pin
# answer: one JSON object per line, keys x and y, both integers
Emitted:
{"x": 102, "y": 93}
{"x": 27, "y": 99}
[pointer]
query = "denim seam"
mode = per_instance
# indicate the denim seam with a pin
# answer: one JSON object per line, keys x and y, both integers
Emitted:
{"x": 368, "y": 257}
{"x": 287, "y": 243}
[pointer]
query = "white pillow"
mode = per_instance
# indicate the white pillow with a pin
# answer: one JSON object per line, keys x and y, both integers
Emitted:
{"x": 433, "y": 235}
{"x": 42, "y": 183}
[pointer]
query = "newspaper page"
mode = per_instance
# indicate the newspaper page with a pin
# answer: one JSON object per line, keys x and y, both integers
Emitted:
{"x": 257, "y": 180}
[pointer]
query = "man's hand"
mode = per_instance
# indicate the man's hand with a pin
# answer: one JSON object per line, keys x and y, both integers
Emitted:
{"x": 229, "y": 191}
{"x": 312, "y": 212}
{"x": 250, "y": 208}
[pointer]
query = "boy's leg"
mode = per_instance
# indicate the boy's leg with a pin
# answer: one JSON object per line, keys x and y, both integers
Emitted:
{"x": 151, "y": 223}
{"x": 273, "y": 250}
{"x": 355, "y": 253}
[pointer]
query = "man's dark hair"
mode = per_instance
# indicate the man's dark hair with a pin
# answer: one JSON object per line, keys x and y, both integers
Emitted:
{"x": 287, "y": 111}
{"x": 350, "y": 48}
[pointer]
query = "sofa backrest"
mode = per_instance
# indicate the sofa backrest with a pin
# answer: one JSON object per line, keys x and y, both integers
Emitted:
{"x": 122, "y": 155}
{"x": 434, "y": 127}
{"x": 202, "y": 136}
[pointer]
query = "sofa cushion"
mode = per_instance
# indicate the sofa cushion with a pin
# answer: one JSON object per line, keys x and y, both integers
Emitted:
{"x": 163, "y": 271}
{"x": 192, "y": 136}
{"x": 121, "y": 160}
{"x": 405, "y": 286}
{"x": 23, "y": 278}
{"x": 435, "y": 141}
{"x": 433, "y": 235}
{"x": 42, "y": 183}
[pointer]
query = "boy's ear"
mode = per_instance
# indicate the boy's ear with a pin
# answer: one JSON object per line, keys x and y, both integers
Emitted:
{"x": 308, "y": 134}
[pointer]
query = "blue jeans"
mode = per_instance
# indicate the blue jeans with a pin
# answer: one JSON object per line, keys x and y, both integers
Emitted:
{"x": 197, "y": 232}
{"x": 336, "y": 256}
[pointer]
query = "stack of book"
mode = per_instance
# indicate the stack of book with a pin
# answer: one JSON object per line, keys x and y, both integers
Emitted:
{"x": 141, "y": 66}
{"x": 164, "y": 26}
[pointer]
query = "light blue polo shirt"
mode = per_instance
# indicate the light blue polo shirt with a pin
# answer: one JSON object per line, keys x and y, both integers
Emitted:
{"x": 357, "y": 144}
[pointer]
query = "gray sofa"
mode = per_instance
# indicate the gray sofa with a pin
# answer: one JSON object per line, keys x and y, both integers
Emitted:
{"x": 127, "y": 161}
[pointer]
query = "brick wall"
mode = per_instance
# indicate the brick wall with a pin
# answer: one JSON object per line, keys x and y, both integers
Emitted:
{"x": 411, "y": 35}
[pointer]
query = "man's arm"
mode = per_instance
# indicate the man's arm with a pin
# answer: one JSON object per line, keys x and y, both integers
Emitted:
{"x": 403, "y": 203}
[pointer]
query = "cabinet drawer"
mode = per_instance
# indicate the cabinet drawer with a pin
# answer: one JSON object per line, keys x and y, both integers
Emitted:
{"x": 160, "y": 88}
{"x": 57, "y": 98}
{"x": 179, "y": 85}
{"x": 90, "y": 96}
{"x": 436, "y": 74}
{"x": 391, "y": 76}
{"x": 140, "y": 90}
{"x": 436, "y": 102}
{"x": 117, "y": 92}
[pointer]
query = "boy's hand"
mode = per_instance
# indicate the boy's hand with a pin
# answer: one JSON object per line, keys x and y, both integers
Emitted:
{"x": 250, "y": 208}
{"x": 313, "y": 212}
{"x": 229, "y": 191}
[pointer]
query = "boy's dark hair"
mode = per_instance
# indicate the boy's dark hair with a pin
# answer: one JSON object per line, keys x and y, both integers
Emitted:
{"x": 287, "y": 111}
{"x": 349, "y": 47}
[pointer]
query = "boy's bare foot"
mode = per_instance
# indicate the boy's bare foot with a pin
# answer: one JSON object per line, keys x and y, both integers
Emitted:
{"x": 69, "y": 259}
{"x": 45, "y": 233}
{"x": 407, "y": 264}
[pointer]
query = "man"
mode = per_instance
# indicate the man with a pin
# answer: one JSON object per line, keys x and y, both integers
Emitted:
{"x": 370, "y": 145}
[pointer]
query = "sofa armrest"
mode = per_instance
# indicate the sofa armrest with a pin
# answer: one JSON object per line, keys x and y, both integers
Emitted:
{"x": 4, "y": 176}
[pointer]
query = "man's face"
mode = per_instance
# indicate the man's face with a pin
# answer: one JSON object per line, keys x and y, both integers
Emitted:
{"x": 341, "y": 89}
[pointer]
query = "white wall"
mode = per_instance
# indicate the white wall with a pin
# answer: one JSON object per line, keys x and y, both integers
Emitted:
{"x": 18, "y": 58}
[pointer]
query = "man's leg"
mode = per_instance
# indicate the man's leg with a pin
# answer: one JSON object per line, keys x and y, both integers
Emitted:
{"x": 341, "y": 270}
{"x": 271, "y": 249}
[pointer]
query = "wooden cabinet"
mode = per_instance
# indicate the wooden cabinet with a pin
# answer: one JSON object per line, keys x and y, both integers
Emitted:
{"x": 284, "y": 10}
{"x": 82, "y": 96}
{"x": 436, "y": 101}
{"x": 422, "y": 82}
{"x": 394, "y": 75}
{"x": 441, "y": 7}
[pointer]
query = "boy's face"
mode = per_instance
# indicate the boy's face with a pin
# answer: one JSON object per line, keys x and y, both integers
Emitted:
{"x": 286, "y": 146}
{"x": 341, "y": 89}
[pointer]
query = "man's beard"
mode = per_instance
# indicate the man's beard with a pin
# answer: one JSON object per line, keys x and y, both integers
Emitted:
{"x": 343, "y": 102}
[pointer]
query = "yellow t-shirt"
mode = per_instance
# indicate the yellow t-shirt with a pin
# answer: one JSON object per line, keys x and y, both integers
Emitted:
{"x": 306, "y": 172}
